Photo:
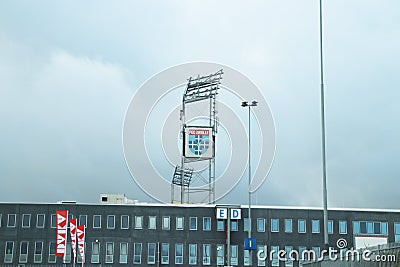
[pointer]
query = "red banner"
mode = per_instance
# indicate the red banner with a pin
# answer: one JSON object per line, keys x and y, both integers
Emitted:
{"x": 61, "y": 232}
{"x": 72, "y": 231}
{"x": 80, "y": 232}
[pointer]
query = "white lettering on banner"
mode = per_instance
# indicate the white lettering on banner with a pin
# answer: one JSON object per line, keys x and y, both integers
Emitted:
{"x": 61, "y": 240}
{"x": 80, "y": 231}
{"x": 61, "y": 232}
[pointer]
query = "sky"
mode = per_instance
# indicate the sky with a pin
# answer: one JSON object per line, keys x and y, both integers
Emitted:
{"x": 69, "y": 69}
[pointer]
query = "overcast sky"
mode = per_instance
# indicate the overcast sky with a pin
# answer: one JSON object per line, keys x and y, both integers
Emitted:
{"x": 68, "y": 70}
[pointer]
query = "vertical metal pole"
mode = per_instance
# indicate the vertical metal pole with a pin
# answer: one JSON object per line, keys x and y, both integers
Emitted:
{"x": 325, "y": 194}
{"x": 215, "y": 130}
{"x": 172, "y": 193}
{"x": 209, "y": 161}
{"x": 249, "y": 191}
{"x": 183, "y": 153}
{"x": 182, "y": 178}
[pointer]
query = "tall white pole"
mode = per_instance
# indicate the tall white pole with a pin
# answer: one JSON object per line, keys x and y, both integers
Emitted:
{"x": 324, "y": 186}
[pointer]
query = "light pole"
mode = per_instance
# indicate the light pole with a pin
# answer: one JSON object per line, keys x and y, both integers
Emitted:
{"x": 249, "y": 105}
{"x": 324, "y": 186}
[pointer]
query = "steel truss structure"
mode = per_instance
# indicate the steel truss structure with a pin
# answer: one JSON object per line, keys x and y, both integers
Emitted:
{"x": 202, "y": 88}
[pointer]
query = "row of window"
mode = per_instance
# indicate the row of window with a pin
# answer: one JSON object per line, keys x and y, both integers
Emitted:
{"x": 195, "y": 252}
{"x": 359, "y": 227}
{"x": 26, "y": 220}
{"x": 371, "y": 228}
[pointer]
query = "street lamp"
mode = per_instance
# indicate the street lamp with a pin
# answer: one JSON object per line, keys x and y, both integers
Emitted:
{"x": 249, "y": 105}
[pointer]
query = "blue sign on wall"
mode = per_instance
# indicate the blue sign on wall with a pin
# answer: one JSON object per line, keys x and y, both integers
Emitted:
{"x": 250, "y": 243}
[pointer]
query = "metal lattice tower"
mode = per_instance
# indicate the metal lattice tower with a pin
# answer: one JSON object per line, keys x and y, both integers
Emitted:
{"x": 202, "y": 88}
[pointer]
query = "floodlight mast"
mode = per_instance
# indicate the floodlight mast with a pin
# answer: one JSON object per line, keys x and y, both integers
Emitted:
{"x": 197, "y": 89}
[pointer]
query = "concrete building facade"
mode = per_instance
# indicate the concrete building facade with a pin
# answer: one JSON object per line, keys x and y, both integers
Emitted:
{"x": 182, "y": 235}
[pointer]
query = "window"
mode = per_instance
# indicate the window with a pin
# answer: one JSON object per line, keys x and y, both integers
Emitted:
{"x": 363, "y": 227}
{"x": 152, "y": 222}
{"x": 179, "y": 223}
{"x": 274, "y": 225}
{"x": 220, "y": 225}
{"x": 261, "y": 251}
{"x": 26, "y": 220}
{"x": 9, "y": 252}
{"x": 307, "y": 255}
{"x": 83, "y": 220}
{"x": 96, "y": 221}
{"x": 12, "y": 218}
{"x": 166, "y": 223}
{"x": 206, "y": 254}
{"x": 124, "y": 221}
{"x": 53, "y": 221}
{"x": 246, "y": 258}
{"x": 52, "y": 252}
{"x": 78, "y": 255}
{"x": 377, "y": 228}
{"x": 151, "y": 253}
{"x": 40, "y": 221}
{"x": 384, "y": 228}
{"x": 95, "y": 252}
{"x": 37, "y": 257}
{"x": 234, "y": 255}
{"x": 67, "y": 255}
{"x": 192, "y": 223}
{"x": 317, "y": 251}
{"x": 301, "y": 223}
{"x": 138, "y": 222}
{"x": 288, "y": 258}
{"x": 356, "y": 227}
{"x": 110, "y": 221}
{"x": 220, "y": 255}
{"x": 261, "y": 225}
{"x": 301, "y": 255}
{"x": 137, "y": 253}
{"x": 274, "y": 258}
{"x": 192, "y": 254}
{"x": 164, "y": 253}
{"x": 396, "y": 232}
{"x": 207, "y": 224}
{"x": 330, "y": 227}
{"x": 109, "y": 252}
{"x": 370, "y": 228}
{"x": 246, "y": 224}
{"x": 179, "y": 253}
{"x": 234, "y": 225}
{"x": 123, "y": 253}
{"x": 342, "y": 227}
{"x": 288, "y": 226}
{"x": 315, "y": 226}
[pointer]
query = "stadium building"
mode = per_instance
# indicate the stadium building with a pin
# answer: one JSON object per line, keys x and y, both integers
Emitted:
{"x": 120, "y": 232}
